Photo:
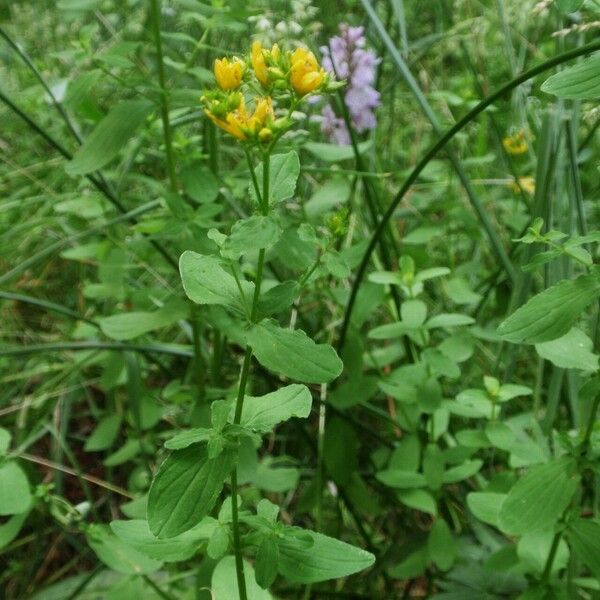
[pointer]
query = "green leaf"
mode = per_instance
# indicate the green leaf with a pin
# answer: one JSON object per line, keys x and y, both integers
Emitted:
{"x": 5, "y": 437}
{"x": 433, "y": 466}
{"x": 486, "y": 506}
{"x": 109, "y": 136}
{"x": 441, "y": 545}
{"x": 539, "y": 498}
{"x": 129, "y": 325}
{"x": 262, "y": 413}
{"x": 552, "y": 313}
{"x": 399, "y": 478}
{"x": 569, "y": 6}
{"x": 15, "y": 497}
{"x": 117, "y": 555}
{"x": 267, "y": 558}
{"x": 326, "y": 558}
{"x": 449, "y": 320}
{"x": 571, "y": 351}
{"x": 283, "y": 175}
{"x": 581, "y": 81}
{"x": 205, "y": 281}
{"x": 293, "y": 354}
{"x": 420, "y": 500}
{"x": 224, "y": 582}
{"x": 584, "y": 535}
{"x": 185, "y": 489}
{"x": 413, "y": 313}
{"x": 186, "y": 438}
{"x": 328, "y": 197}
{"x": 461, "y": 472}
{"x": 137, "y": 534}
{"x": 10, "y": 529}
{"x": 251, "y": 234}
{"x": 104, "y": 435}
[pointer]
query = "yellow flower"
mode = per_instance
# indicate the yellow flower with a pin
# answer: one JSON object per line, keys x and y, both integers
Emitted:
{"x": 228, "y": 73}
{"x": 234, "y": 121}
{"x": 516, "y": 143}
{"x": 527, "y": 184}
{"x": 259, "y": 64}
{"x": 306, "y": 74}
{"x": 242, "y": 125}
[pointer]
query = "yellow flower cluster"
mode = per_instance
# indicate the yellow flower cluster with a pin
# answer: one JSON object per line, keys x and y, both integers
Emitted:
{"x": 286, "y": 76}
{"x": 516, "y": 143}
{"x": 527, "y": 184}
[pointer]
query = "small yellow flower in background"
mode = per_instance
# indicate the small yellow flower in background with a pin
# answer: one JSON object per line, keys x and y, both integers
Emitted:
{"x": 306, "y": 74}
{"x": 516, "y": 143}
{"x": 527, "y": 184}
{"x": 229, "y": 72}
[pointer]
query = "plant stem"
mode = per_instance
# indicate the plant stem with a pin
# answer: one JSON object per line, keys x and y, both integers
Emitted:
{"x": 164, "y": 105}
{"x": 263, "y": 203}
{"x": 551, "y": 556}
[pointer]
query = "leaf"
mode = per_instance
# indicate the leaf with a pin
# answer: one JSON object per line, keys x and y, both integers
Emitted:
{"x": 461, "y": 472}
{"x": 267, "y": 558}
{"x": 109, "y": 136}
{"x": 551, "y": 314}
{"x": 251, "y": 234}
{"x": 224, "y": 582}
{"x": 262, "y": 413}
{"x": 328, "y": 197}
{"x": 584, "y": 535}
{"x": 129, "y": 325}
{"x": 15, "y": 497}
{"x": 399, "y": 478}
{"x": 284, "y": 170}
{"x": 413, "y": 313}
{"x": 5, "y": 437}
{"x": 117, "y": 555}
{"x": 293, "y": 354}
{"x": 105, "y": 434}
{"x": 420, "y": 500}
{"x": 205, "y": 281}
{"x": 571, "y": 351}
{"x": 137, "y": 534}
{"x": 10, "y": 529}
{"x": 441, "y": 545}
{"x": 186, "y": 438}
{"x": 185, "y": 489}
{"x": 539, "y": 498}
{"x": 486, "y": 506}
{"x": 581, "y": 81}
{"x": 326, "y": 558}
{"x": 449, "y": 320}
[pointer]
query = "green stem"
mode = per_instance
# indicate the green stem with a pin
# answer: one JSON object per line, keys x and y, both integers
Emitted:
{"x": 551, "y": 556}
{"x": 263, "y": 203}
{"x": 587, "y": 436}
{"x": 164, "y": 105}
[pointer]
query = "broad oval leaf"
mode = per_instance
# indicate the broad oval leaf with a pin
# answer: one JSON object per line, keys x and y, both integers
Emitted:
{"x": 205, "y": 281}
{"x": 486, "y": 506}
{"x": 584, "y": 535}
{"x": 137, "y": 534}
{"x": 293, "y": 354}
{"x": 15, "y": 497}
{"x": 399, "y": 478}
{"x": 185, "y": 489}
{"x": 552, "y": 313}
{"x": 539, "y": 498}
{"x": 251, "y": 234}
{"x": 116, "y": 554}
{"x": 262, "y": 413}
{"x": 284, "y": 170}
{"x": 581, "y": 81}
{"x": 326, "y": 558}
{"x": 573, "y": 350}
{"x": 109, "y": 136}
